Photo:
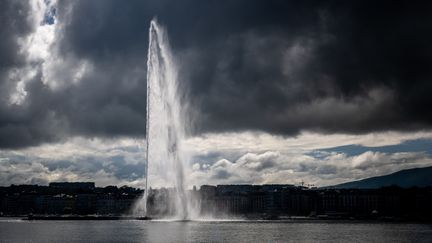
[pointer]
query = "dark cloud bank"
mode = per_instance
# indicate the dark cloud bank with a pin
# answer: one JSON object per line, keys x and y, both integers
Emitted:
{"x": 277, "y": 66}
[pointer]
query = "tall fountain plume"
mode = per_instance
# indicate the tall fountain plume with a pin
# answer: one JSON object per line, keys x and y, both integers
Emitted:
{"x": 165, "y": 124}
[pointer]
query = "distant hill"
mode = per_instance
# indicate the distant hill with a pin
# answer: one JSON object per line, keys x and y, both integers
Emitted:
{"x": 420, "y": 177}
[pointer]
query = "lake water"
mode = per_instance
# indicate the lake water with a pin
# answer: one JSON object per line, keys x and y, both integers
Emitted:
{"x": 13, "y": 230}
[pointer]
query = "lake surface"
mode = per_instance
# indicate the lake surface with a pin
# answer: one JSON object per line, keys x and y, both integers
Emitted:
{"x": 14, "y": 230}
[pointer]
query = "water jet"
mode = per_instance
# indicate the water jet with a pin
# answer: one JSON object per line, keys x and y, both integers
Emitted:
{"x": 165, "y": 127}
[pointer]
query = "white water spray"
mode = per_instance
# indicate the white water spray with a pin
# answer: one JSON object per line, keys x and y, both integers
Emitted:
{"x": 165, "y": 125}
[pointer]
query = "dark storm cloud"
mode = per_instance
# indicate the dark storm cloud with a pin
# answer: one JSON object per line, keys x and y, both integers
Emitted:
{"x": 335, "y": 66}
{"x": 17, "y": 125}
{"x": 277, "y": 66}
{"x": 14, "y": 25}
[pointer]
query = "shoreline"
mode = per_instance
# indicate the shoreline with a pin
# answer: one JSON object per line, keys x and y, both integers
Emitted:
{"x": 83, "y": 217}
{"x": 238, "y": 219}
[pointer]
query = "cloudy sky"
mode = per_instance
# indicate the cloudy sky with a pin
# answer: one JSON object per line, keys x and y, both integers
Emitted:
{"x": 322, "y": 92}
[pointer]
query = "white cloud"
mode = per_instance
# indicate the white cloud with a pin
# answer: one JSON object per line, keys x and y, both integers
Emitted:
{"x": 306, "y": 141}
{"x": 105, "y": 161}
{"x": 42, "y": 57}
{"x": 292, "y": 169}
{"x": 35, "y": 47}
{"x": 264, "y": 158}
{"x": 218, "y": 159}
